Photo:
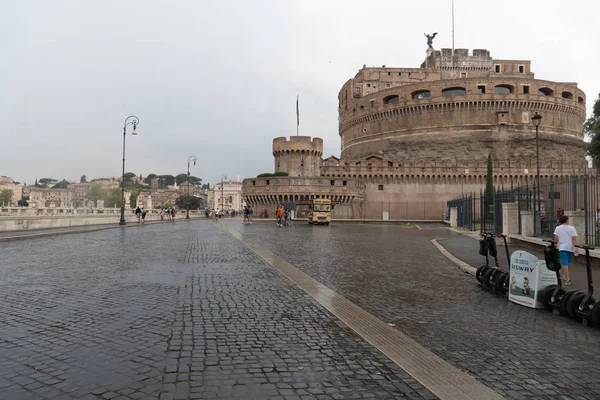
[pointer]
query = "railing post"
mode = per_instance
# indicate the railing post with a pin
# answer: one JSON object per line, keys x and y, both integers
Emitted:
{"x": 535, "y": 210}
{"x": 585, "y": 209}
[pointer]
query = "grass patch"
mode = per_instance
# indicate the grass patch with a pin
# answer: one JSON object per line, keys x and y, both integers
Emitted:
{"x": 409, "y": 226}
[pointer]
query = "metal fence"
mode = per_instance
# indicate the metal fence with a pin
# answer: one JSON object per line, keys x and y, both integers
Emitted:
{"x": 576, "y": 197}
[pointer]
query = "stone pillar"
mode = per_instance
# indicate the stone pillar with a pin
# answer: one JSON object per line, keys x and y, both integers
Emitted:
{"x": 527, "y": 223}
{"x": 510, "y": 219}
{"x": 149, "y": 202}
{"x": 453, "y": 217}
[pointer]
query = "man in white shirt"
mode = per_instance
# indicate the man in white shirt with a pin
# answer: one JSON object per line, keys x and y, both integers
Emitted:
{"x": 566, "y": 236}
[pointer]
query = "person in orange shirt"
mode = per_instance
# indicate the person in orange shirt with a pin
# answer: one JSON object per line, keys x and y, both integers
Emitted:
{"x": 279, "y": 215}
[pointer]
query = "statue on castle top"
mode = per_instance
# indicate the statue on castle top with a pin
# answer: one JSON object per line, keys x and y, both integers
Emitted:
{"x": 430, "y": 39}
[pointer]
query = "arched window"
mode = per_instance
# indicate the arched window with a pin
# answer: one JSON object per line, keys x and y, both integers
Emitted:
{"x": 567, "y": 95}
{"x": 503, "y": 89}
{"x": 393, "y": 99}
{"x": 421, "y": 94}
{"x": 580, "y": 99}
{"x": 455, "y": 91}
{"x": 545, "y": 92}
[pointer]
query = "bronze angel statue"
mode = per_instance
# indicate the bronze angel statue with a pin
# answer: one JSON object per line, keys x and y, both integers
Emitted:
{"x": 430, "y": 39}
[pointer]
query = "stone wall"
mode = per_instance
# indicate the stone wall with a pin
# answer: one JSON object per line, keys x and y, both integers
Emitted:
{"x": 298, "y": 156}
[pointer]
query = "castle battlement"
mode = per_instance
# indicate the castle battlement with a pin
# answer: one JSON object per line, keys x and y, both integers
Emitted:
{"x": 298, "y": 144}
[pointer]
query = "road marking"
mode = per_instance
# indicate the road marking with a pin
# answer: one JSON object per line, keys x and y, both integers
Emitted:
{"x": 440, "y": 377}
{"x": 459, "y": 263}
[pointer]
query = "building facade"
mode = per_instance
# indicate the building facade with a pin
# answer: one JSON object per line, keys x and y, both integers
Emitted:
{"x": 415, "y": 138}
{"x": 227, "y": 196}
{"x": 51, "y": 198}
{"x": 7, "y": 183}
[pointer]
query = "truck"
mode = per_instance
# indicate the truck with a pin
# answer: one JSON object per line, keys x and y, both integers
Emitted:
{"x": 320, "y": 211}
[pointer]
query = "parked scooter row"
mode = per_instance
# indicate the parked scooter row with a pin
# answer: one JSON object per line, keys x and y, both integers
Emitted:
{"x": 492, "y": 277}
{"x": 576, "y": 304}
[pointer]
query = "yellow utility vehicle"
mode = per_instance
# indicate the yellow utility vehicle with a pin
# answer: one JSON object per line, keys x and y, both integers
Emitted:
{"x": 320, "y": 212}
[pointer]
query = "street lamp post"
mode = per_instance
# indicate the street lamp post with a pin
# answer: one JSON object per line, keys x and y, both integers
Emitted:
{"x": 537, "y": 119}
{"x": 131, "y": 120}
{"x": 222, "y": 198}
{"x": 194, "y": 159}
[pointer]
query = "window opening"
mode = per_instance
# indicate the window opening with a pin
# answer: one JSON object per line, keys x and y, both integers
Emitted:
{"x": 380, "y": 187}
{"x": 481, "y": 89}
{"x": 525, "y": 89}
{"x": 521, "y": 69}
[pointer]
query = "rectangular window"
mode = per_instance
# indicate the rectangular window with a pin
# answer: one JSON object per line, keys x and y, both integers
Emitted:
{"x": 463, "y": 74}
{"x": 372, "y": 103}
{"x": 369, "y": 74}
{"x": 357, "y": 91}
{"x": 332, "y": 182}
{"x": 399, "y": 73}
{"x": 497, "y": 68}
{"x": 345, "y": 182}
{"x": 481, "y": 89}
{"x": 389, "y": 73}
{"x": 388, "y": 85}
{"x": 253, "y": 183}
{"x": 521, "y": 69}
{"x": 525, "y": 89}
{"x": 380, "y": 188}
{"x": 268, "y": 182}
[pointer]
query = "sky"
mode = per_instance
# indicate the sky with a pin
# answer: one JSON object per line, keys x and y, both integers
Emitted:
{"x": 219, "y": 79}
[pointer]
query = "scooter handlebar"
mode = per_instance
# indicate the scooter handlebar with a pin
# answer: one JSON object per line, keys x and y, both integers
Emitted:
{"x": 584, "y": 246}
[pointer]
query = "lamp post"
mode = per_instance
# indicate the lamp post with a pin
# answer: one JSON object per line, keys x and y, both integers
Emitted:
{"x": 222, "y": 198}
{"x": 194, "y": 159}
{"x": 537, "y": 119}
{"x": 131, "y": 120}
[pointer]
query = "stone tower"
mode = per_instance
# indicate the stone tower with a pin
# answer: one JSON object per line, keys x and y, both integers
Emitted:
{"x": 299, "y": 156}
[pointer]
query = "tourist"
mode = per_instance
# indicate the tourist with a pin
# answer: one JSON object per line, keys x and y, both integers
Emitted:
{"x": 162, "y": 214}
{"x": 143, "y": 215}
{"x": 566, "y": 236}
{"x": 279, "y": 215}
{"x": 173, "y": 212}
{"x": 138, "y": 214}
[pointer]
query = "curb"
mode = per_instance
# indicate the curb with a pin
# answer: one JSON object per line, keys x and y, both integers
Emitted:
{"x": 459, "y": 263}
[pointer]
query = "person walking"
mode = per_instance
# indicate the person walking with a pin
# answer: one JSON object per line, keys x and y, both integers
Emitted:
{"x": 173, "y": 213}
{"x": 279, "y": 215}
{"x": 138, "y": 214}
{"x": 143, "y": 216}
{"x": 566, "y": 236}
{"x": 162, "y": 214}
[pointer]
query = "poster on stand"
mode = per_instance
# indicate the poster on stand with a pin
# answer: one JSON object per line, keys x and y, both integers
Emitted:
{"x": 523, "y": 278}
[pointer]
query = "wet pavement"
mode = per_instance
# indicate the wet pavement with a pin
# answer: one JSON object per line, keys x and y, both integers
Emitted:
{"x": 178, "y": 311}
{"x": 397, "y": 275}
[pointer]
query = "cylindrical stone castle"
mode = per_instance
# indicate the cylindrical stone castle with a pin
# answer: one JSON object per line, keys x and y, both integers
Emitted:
{"x": 299, "y": 156}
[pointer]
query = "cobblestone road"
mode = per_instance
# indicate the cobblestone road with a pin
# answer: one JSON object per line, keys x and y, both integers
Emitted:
{"x": 172, "y": 311}
{"x": 398, "y": 275}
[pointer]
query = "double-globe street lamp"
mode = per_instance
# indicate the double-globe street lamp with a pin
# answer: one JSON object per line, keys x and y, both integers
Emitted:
{"x": 537, "y": 119}
{"x": 194, "y": 159}
{"x": 131, "y": 120}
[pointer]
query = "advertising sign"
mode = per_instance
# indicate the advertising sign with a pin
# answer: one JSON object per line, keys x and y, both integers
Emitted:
{"x": 528, "y": 276}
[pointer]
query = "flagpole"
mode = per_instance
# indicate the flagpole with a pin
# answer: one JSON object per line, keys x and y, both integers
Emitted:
{"x": 297, "y": 116}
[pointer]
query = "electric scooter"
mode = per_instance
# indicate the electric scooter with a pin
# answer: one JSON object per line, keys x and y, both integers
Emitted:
{"x": 484, "y": 249}
{"x": 581, "y": 305}
{"x": 490, "y": 273}
{"x": 501, "y": 279}
{"x": 554, "y": 296}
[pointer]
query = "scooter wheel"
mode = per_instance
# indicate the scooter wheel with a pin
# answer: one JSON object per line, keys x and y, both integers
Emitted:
{"x": 596, "y": 315}
{"x": 487, "y": 277}
{"x": 499, "y": 280}
{"x": 564, "y": 302}
{"x": 547, "y": 295}
{"x": 573, "y": 304}
{"x": 479, "y": 273}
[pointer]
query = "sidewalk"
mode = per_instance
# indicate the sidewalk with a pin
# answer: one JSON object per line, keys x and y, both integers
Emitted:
{"x": 465, "y": 247}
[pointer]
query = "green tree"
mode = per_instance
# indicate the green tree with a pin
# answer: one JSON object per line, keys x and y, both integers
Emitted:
{"x": 112, "y": 198}
{"x": 23, "y": 203}
{"x": 48, "y": 181}
{"x": 133, "y": 197}
{"x": 95, "y": 193}
{"x": 6, "y": 196}
{"x": 149, "y": 178}
{"x": 129, "y": 176}
{"x": 181, "y": 178}
{"x": 592, "y": 130}
{"x": 61, "y": 185}
{"x": 166, "y": 180}
{"x": 83, "y": 179}
{"x": 184, "y": 200}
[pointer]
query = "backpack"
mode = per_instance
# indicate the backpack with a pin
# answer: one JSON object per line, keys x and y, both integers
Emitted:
{"x": 552, "y": 257}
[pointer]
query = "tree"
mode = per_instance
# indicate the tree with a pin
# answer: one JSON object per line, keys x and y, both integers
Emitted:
{"x": 133, "y": 197}
{"x": 95, "y": 193}
{"x": 206, "y": 186}
{"x": 6, "y": 197}
{"x": 184, "y": 200}
{"x": 181, "y": 178}
{"x": 83, "y": 179}
{"x": 195, "y": 180}
{"x": 61, "y": 185}
{"x": 112, "y": 198}
{"x": 592, "y": 130}
{"x": 166, "y": 180}
{"x": 129, "y": 176}
{"x": 48, "y": 181}
{"x": 149, "y": 178}
{"x": 23, "y": 203}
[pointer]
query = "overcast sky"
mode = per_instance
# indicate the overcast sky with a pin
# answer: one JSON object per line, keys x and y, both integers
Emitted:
{"x": 219, "y": 79}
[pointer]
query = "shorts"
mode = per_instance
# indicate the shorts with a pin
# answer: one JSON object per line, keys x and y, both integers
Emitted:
{"x": 565, "y": 258}
{"x": 137, "y": 215}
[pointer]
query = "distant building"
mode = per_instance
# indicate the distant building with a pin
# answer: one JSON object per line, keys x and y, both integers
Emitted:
{"x": 51, "y": 198}
{"x": 79, "y": 192}
{"x": 228, "y": 197}
{"x": 17, "y": 190}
